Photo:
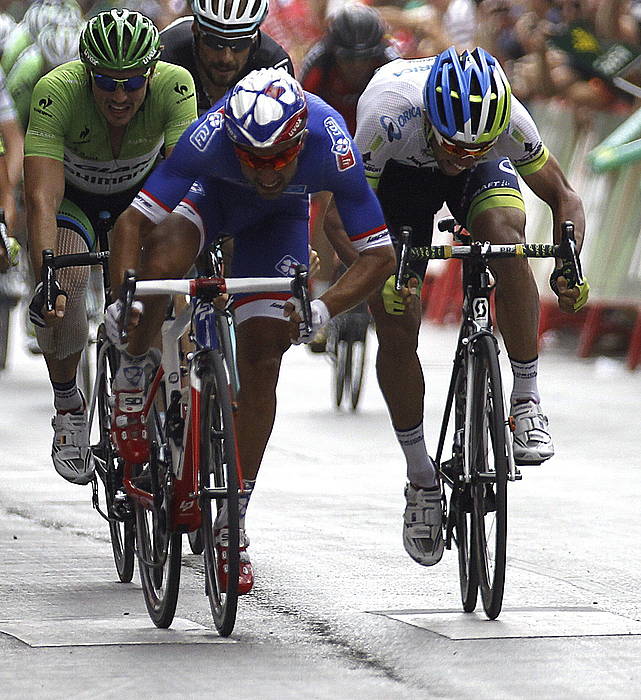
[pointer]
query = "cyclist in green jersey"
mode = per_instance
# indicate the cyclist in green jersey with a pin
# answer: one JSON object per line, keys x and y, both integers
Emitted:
{"x": 96, "y": 129}
{"x": 54, "y": 46}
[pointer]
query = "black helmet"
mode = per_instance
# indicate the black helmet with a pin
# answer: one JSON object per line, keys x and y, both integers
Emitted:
{"x": 356, "y": 31}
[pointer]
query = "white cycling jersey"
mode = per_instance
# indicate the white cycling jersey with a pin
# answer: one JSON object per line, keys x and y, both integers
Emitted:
{"x": 392, "y": 124}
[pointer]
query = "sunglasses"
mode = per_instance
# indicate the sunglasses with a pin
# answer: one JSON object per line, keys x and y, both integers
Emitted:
{"x": 462, "y": 151}
{"x": 218, "y": 43}
{"x": 278, "y": 161}
{"x": 109, "y": 84}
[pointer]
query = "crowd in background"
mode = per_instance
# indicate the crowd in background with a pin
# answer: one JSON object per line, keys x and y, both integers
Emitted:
{"x": 549, "y": 48}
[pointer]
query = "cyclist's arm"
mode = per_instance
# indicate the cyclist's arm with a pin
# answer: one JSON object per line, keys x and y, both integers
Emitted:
{"x": 550, "y": 184}
{"x": 127, "y": 235}
{"x": 44, "y": 184}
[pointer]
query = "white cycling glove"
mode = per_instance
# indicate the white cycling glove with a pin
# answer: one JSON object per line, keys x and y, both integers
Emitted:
{"x": 112, "y": 320}
{"x": 320, "y": 316}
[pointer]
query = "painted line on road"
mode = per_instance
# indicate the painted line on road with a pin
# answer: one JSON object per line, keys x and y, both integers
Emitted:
{"x": 518, "y": 623}
{"x": 67, "y": 632}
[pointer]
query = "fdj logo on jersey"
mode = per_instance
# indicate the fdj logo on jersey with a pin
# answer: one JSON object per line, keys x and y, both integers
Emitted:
{"x": 287, "y": 266}
{"x": 203, "y": 134}
{"x": 341, "y": 145}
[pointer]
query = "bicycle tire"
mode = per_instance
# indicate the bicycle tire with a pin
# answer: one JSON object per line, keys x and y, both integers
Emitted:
{"x": 109, "y": 466}
{"x": 5, "y": 314}
{"x": 341, "y": 369}
{"x": 357, "y": 366}
{"x": 489, "y": 483}
{"x": 460, "y": 503}
{"x": 219, "y": 469}
{"x": 159, "y": 548}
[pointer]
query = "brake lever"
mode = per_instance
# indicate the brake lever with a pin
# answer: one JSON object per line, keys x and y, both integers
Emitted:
{"x": 48, "y": 278}
{"x": 569, "y": 255}
{"x": 301, "y": 292}
{"x": 127, "y": 292}
{"x": 405, "y": 241}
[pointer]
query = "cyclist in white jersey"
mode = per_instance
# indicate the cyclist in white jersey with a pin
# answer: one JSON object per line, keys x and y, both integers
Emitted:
{"x": 446, "y": 129}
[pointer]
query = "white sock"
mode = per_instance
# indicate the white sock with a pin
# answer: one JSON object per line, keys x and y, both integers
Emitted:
{"x": 525, "y": 386}
{"x": 421, "y": 471}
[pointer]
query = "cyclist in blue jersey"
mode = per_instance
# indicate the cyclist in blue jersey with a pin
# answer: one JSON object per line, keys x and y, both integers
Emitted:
{"x": 264, "y": 151}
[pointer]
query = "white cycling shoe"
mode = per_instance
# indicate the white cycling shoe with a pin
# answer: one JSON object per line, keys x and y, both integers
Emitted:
{"x": 531, "y": 439}
{"x": 70, "y": 452}
{"x": 422, "y": 525}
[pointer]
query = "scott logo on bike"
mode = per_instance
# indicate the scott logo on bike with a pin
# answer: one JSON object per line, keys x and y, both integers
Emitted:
{"x": 480, "y": 308}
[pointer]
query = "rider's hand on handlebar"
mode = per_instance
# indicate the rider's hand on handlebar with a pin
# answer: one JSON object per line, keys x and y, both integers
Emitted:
{"x": 297, "y": 332}
{"x": 572, "y": 299}
{"x": 396, "y": 303}
{"x": 38, "y": 315}
{"x": 113, "y": 314}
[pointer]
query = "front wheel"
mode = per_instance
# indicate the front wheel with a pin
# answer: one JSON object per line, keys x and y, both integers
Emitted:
{"x": 219, "y": 483}
{"x": 159, "y": 547}
{"x": 110, "y": 468}
{"x": 489, "y": 484}
{"x": 461, "y": 502}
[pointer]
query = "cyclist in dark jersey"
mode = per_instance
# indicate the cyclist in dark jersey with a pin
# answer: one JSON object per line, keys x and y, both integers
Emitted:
{"x": 338, "y": 69}
{"x": 340, "y": 65}
{"x": 220, "y": 44}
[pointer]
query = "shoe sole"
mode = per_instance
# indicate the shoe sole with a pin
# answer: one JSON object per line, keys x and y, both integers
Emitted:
{"x": 530, "y": 463}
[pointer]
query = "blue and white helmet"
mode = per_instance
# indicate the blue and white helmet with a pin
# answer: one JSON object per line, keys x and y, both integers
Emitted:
{"x": 265, "y": 108}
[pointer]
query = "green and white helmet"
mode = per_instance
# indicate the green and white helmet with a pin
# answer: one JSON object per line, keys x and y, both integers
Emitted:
{"x": 58, "y": 43}
{"x": 119, "y": 40}
{"x": 44, "y": 12}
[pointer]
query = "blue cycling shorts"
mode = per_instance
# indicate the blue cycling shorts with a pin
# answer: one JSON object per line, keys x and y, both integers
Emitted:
{"x": 270, "y": 237}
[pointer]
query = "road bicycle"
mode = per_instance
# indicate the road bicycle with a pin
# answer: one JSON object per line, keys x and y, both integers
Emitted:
{"x": 482, "y": 461}
{"x": 193, "y": 470}
{"x": 346, "y": 349}
{"x": 108, "y": 466}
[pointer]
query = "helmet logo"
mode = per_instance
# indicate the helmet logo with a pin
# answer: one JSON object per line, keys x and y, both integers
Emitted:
{"x": 274, "y": 91}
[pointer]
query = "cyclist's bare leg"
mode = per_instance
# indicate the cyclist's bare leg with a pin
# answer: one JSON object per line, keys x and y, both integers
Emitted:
{"x": 398, "y": 369}
{"x": 517, "y": 310}
{"x": 62, "y": 371}
{"x": 261, "y": 343}
{"x": 517, "y": 296}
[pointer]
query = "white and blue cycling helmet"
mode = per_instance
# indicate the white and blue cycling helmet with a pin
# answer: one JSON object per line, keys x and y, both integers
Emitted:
{"x": 265, "y": 108}
{"x": 468, "y": 96}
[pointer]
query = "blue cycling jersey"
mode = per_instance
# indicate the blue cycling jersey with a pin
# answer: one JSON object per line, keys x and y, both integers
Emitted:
{"x": 329, "y": 161}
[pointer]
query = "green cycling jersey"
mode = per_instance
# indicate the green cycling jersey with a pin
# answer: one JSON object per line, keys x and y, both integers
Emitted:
{"x": 16, "y": 43}
{"x": 24, "y": 75}
{"x": 66, "y": 125}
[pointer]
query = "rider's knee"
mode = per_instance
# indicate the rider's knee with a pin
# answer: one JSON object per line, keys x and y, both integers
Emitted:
{"x": 500, "y": 225}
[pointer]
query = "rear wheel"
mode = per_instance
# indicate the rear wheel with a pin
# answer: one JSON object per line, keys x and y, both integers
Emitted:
{"x": 109, "y": 467}
{"x": 219, "y": 483}
{"x": 341, "y": 368}
{"x": 489, "y": 487}
{"x": 5, "y": 313}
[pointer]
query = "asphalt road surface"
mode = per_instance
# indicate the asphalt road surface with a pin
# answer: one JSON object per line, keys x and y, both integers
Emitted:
{"x": 338, "y": 609}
